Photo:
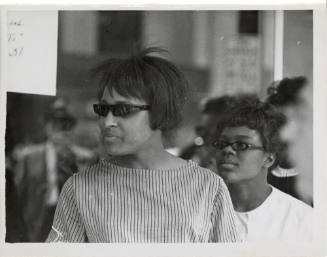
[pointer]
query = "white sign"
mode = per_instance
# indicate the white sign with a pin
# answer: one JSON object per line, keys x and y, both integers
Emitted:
{"x": 242, "y": 65}
{"x": 32, "y": 51}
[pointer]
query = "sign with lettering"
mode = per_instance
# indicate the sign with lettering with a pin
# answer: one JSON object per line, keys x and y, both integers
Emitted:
{"x": 242, "y": 67}
{"x": 32, "y": 51}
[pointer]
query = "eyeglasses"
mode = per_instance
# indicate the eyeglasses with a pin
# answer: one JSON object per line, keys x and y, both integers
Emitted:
{"x": 118, "y": 110}
{"x": 236, "y": 146}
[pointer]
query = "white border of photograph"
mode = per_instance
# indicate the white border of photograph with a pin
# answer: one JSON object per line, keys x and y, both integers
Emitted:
{"x": 316, "y": 248}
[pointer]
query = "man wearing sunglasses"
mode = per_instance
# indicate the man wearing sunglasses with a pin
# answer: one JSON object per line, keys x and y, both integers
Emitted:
{"x": 140, "y": 192}
{"x": 247, "y": 145}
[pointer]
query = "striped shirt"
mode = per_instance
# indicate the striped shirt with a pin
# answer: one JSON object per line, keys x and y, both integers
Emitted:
{"x": 109, "y": 203}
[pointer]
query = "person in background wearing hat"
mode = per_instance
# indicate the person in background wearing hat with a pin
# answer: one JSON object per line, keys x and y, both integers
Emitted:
{"x": 42, "y": 169}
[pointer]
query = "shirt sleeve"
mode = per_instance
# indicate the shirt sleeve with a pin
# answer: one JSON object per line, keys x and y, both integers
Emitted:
{"x": 67, "y": 225}
{"x": 223, "y": 218}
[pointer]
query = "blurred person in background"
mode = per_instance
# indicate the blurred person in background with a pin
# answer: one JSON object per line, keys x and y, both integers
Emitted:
{"x": 288, "y": 95}
{"x": 140, "y": 192}
{"x": 298, "y": 131}
{"x": 248, "y": 143}
{"x": 40, "y": 170}
{"x": 282, "y": 94}
{"x": 15, "y": 225}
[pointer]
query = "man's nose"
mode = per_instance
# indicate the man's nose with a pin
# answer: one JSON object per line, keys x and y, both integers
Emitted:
{"x": 110, "y": 120}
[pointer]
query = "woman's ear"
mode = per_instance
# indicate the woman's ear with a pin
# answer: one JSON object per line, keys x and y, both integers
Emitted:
{"x": 269, "y": 160}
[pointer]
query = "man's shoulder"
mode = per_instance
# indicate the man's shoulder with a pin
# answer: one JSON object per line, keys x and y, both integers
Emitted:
{"x": 91, "y": 169}
{"x": 92, "y": 173}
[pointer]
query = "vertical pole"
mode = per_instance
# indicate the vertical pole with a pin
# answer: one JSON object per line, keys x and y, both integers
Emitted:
{"x": 200, "y": 39}
{"x": 279, "y": 44}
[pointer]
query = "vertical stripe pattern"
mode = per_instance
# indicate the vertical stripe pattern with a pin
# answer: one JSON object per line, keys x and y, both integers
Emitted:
{"x": 109, "y": 203}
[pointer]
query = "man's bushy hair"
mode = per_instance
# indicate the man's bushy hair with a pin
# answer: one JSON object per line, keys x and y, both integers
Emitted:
{"x": 153, "y": 79}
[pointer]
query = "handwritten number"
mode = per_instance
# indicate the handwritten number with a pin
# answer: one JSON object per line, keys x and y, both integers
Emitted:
{"x": 16, "y": 51}
{"x": 14, "y": 38}
{"x": 11, "y": 37}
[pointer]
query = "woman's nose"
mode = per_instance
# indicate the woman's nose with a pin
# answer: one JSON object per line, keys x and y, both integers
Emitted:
{"x": 228, "y": 150}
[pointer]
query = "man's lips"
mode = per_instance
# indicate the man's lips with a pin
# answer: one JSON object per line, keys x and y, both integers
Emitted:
{"x": 106, "y": 137}
{"x": 227, "y": 163}
{"x": 111, "y": 139}
{"x": 110, "y": 135}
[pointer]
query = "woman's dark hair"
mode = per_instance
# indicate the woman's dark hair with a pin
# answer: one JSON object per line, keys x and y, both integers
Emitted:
{"x": 218, "y": 105}
{"x": 150, "y": 78}
{"x": 222, "y": 104}
{"x": 286, "y": 92}
{"x": 259, "y": 116}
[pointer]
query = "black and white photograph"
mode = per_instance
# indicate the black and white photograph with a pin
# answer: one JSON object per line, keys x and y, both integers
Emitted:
{"x": 160, "y": 126}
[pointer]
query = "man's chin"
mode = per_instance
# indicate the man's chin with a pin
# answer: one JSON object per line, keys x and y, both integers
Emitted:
{"x": 111, "y": 150}
{"x": 115, "y": 151}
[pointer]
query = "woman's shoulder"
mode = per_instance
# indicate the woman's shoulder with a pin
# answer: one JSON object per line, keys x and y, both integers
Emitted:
{"x": 291, "y": 204}
{"x": 206, "y": 174}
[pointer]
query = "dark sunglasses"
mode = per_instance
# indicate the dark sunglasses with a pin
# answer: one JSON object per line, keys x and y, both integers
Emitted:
{"x": 236, "y": 146}
{"x": 118, "y": 110}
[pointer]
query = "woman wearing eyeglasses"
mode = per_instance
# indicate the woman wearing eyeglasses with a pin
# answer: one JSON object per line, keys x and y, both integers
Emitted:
{"x": 142, "y": 193}
{"x": 247, "y": 145}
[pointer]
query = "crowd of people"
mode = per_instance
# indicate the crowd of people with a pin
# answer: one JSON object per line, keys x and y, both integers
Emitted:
{"x": 242, "y": 180}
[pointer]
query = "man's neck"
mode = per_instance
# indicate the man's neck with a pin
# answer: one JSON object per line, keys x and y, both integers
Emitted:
{"x": 152, "y": 156}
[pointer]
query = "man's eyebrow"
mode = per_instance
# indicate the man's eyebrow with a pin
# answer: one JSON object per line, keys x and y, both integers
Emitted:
{"x": 122, "y": 102}
{"x": 243, "y": 136}
{"x": 103, "y": 101}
